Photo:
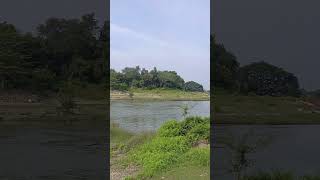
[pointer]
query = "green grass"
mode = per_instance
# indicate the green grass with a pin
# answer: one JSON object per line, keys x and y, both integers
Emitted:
{"x": 240, "y": 109}
{"x": 165, "y": 94}
{"x": 194, "y": 164}
{"x": 123, "y": 141}
{"x": 186, "y": 173}
{"x": 168, "y": 152}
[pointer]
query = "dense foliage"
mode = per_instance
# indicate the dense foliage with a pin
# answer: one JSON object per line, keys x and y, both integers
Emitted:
{"x": 193, "y": 86}
{"x": 259, "y": 78}
{"x": 73, "y": 49}
{"x": 142, "y": 78}
{"x": 174, "y": 143}
{"x": 265, "y": 79}
{"x": 225, "y": 66}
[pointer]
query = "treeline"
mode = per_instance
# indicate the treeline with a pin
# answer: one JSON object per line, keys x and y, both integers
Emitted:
{"x": 59, "y": 50}
{"x": 135, "y": 77}
{"x": 259, "y": 78}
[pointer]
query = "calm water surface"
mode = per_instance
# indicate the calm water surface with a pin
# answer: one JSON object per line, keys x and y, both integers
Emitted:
{"x": 140, "y": 116}
{"x": 292, "y": 148}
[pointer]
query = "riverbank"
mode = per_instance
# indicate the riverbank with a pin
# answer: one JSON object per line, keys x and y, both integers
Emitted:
{"x": 240, "y": 109}
{"x": 73, "y": 145}
{"x": 159, "y": 94}
{"x": 178, "y": 150}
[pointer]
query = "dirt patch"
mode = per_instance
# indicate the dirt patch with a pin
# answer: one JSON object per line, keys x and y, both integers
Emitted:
{"x": 118, "y": 172}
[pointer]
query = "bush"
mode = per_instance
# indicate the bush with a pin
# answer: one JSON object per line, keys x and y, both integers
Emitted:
{"x": 199, "y": 132}
{"x": 171, "y": 144}
{"x": 170, "y": 128}
{"x": 192, "y": 122}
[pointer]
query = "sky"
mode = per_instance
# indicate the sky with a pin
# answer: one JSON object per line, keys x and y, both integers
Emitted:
{"x": 169, "y": 35}
{"x": 28, "y": 14}
{"x": 284, "y": 33}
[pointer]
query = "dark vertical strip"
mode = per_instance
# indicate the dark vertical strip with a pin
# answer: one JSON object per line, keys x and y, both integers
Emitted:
{"x": 107, "y": 68}
{"x": 211, "y": 100}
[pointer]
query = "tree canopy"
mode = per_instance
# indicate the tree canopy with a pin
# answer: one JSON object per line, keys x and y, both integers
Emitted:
{"x": 265, "y": 79}
{"x": 61, "y": 49}
{"x": 260, "y": 78}
{"x": 141, "y": 78}
{"x": 193, "y": 86}
{"x": 225, "y": 66}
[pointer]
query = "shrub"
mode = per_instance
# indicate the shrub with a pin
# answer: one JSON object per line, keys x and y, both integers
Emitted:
{"x": 199, "y": 132}
{"x": 192, "y": 122}
{"x": 170, "y": 128}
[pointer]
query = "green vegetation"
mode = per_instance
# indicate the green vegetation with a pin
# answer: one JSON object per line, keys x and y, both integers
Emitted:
{"x": 142, "y": 78}
{"x": 252, "y": 109}
{"x": 60, "y": 50}
{"x": 193, "y": 86}
{"x": 259, "y": 78}
{"x": 174, "y": 147}
{"x": 258, "y": 93}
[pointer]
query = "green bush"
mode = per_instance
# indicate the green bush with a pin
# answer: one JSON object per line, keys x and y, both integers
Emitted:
{"x": 199, "y": 132}
{"x": 170, "y": 128}
{"x": 192, "y": 122}
{"x": 172, "y": 144}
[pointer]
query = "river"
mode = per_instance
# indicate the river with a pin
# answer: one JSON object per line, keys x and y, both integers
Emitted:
{"x": 290, "y": 148}
{"x": 138, "y": 116}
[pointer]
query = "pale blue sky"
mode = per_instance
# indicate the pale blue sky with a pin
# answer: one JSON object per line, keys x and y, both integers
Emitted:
{"x": 167, "y": 34}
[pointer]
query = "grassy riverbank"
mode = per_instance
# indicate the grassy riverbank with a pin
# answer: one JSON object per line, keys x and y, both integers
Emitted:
{"x": 240, "y": 109}
{"x": 29, "y": 108}
{"x": 159, "y": 94}
{"x": 178, "y": 150}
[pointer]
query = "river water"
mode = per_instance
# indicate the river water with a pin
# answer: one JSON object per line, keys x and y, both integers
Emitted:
{"x": 44, "y": 148}
{"x": 138, "y": 116}
{"x": 289, "y": 148}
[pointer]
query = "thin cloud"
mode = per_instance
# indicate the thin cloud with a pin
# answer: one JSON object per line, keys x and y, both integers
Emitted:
{"x": 130, "y": 32}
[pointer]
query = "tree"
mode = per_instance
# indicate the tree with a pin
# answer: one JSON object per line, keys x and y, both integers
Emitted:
{"x": 262, "y": 78}
{"x": 193, "y": 86}
{"x": 142, "y": 78}
{"x": 16, "y": 63}
{"x": 170, "y": 79}
{"x": 73, "y": 49}
{"x": 225, "y": 66}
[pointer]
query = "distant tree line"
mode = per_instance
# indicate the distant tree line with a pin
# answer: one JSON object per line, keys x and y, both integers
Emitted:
{"x": 135, "y": 77}
{"x": 260, "y": 78}
{"x": 60, "y": 50}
